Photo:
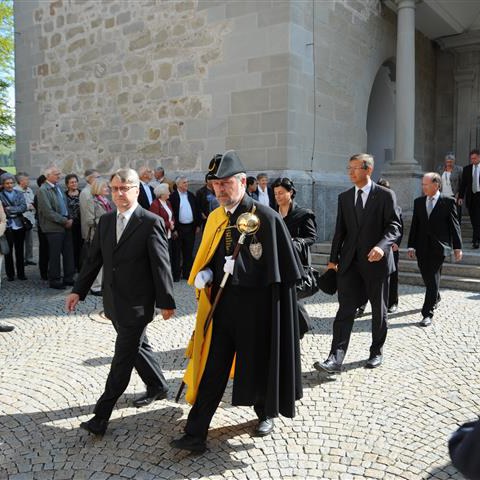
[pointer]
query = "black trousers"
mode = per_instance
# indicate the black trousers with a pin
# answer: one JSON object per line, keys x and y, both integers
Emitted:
{"x": 430, "y": 268}
{"x": 16, "y": 240}
{"x": 132, "y": 350}
{"x": 60, "y": 245}
{"x": 182, "y": 250}
{"x": 353, "y": 289}
{"x": 42, "y": 253}
{"x": 77, "y": 245}
{"x": 474, "y": 211}
{"x": 233, "y": 332}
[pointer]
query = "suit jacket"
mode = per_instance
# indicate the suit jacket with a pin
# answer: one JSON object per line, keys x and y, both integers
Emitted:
{"x": 455, "y": 177}
{"x": 157, "y": 208}
{"x": 437, "y": 234}
{"x": 49, "y": 212}
{"x": 380, "y": 226}
{"x": 175, "y": 201}
{"x": 466, "y": 184}
{"x": 136, "y": 270}
{"x": 142, "y": 197}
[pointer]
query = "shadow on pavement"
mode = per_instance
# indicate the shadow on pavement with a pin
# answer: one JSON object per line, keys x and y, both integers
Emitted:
{"x": 440, "y": 473}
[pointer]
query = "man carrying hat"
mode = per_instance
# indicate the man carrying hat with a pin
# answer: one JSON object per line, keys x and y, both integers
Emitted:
{"x": 254, "y": 332}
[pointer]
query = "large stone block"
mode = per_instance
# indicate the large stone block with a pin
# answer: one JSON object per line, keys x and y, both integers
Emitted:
{"x": 256, "y": 100}
{"x": 243, "y": 124}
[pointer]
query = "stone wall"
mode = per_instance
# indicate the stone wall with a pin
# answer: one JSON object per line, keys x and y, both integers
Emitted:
{"x": 129, "y": 82}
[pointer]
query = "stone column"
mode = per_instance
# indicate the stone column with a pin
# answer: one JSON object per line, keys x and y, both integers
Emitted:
{"x": 465, "y": 124}
{"x": 403, "y": 171}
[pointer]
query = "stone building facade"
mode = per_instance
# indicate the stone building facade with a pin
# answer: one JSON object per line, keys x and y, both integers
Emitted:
{"x": 289, "y": 84}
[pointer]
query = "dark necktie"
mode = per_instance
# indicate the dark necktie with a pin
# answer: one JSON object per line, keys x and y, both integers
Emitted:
{"x": 359, "y": 206}
{"x": 228, "y": 237}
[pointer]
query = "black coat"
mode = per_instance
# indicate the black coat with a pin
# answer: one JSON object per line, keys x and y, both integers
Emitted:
{"x": 464, "y": 447}
{"x": 381, "y": 227}
{"x": 175, "y": 201}
{"x": 136, "y": 271}
{"x": 466, "y": 184}
{"x": 437, "y": 234}
{"x": 142, "y": 197}
{"x": 260, "y": 301}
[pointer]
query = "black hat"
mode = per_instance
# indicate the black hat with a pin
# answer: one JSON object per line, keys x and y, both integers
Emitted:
{"x": 224, "y": 166}
{"x": 328, "y": 281}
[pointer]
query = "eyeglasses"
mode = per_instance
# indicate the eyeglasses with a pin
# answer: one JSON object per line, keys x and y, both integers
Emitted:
{"x": 349, "y": 168}
{"x": 123, "y": 188}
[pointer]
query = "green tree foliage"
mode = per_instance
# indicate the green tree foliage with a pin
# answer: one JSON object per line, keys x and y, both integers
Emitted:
{"x": 6, "y": 71}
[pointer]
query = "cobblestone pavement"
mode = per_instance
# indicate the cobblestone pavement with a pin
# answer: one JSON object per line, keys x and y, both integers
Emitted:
{"x": 388, "y": 423}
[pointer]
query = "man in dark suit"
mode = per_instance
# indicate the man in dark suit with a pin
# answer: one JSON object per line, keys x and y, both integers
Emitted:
{"x": 187, "y": 224}
{"x": 368, "y": 224}
{"x": 470, "y": 193}
{"x": 434, "y": 230}
{"x": 146, "y": 195}
{"x": 131, "y": 244}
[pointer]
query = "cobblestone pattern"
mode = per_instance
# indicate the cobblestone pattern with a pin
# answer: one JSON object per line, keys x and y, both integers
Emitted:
{"x": 389, "y": 423}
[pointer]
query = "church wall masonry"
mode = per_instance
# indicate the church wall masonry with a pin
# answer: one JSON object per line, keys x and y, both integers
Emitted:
{"x": 116, "y": 83}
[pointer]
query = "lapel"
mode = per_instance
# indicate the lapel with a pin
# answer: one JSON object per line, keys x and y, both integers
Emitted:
{"x": 438, "y": 204}
{"x": 135, "y": 221}
{"x": 367, "y": 209}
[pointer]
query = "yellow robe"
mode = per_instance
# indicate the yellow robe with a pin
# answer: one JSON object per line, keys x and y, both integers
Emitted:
{"x": 199, "y": 345}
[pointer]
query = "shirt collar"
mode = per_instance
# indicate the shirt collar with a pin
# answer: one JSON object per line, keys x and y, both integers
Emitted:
{"x": 436, "y": 196}
{"x": 129, "y": 212}
{"x": 366, "y": 189}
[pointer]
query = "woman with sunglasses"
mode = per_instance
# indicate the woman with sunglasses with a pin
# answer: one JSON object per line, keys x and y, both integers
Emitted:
{"x": 301, "y": 224}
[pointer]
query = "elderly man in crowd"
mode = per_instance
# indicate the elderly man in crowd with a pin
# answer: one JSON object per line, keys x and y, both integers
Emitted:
{"x": 146, "y": 195}
{"x": 56, "y": 225}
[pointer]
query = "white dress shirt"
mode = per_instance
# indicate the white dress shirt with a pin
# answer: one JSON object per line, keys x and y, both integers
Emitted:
{"x": 434, "y": 200}
{"x": 148, "y": 192}
{"x": 446, "y": 184}
{"x": 185, "y": 214}
{"x": 263, "y": 196}
{"x": 365, "y": 192}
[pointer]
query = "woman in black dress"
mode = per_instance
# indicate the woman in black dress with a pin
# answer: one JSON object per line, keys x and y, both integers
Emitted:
{"x": 303, "y": 230}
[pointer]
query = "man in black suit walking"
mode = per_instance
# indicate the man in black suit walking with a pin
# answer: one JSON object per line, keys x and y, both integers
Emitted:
{"x": 187, "y": 224}
{"x": 131, "y": 244}
{"x": 434, "y": 230}
{"x": 470, "y": 192}
{"x": 368, "y": 224}
{"x": 145, "y": 195}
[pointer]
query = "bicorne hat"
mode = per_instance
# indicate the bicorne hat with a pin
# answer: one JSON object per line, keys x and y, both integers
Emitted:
{"x": 224, "y": 166}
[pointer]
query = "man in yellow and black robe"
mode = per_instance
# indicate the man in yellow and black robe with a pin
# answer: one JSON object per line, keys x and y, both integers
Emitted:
{"x": 254, "y": 332}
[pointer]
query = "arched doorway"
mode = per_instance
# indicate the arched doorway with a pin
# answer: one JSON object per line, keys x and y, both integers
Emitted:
{"x": 381, "y": 117}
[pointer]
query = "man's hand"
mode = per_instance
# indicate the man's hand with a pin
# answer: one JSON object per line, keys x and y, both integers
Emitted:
{"x": 460, "y": 201}
{"x": 332, "y": 266}
{"x": 166, "y": 314}
{"x": 71, "y": 302}
{"x": 394, "y": 247}
{"x": 203, "y": 278}
{"x": 411, "y": 253}
{"x": 458, "y": 254}
{"x": 229, "y": 265}
{"x": 68, "y": 224}
{"x": 375, "y": 254}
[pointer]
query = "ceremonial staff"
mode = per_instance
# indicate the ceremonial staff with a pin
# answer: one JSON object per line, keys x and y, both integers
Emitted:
{"x": 247, "y": 224}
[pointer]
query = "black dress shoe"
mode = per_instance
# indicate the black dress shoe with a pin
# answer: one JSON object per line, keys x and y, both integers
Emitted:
{"x": 393, "y": 308}
{"x": 96, "y": 425}
{"x": 149, "y": 397}
{"x": 374, "y": 361}
{"x": 329, "y": 366}
{"x": 360, "y": 311}
{"x": 6, "y": 328}
{"x": 57, "y": 285}
{"x": 22, "y": 277}
{"x": 190, "y": 443}
{"x": 426, "y": 322}
{"x": 96, "y": 293}
{"x": 265, "y": 427}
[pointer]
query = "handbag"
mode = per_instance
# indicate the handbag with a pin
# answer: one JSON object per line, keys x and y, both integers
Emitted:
{"x": 309, "y": 284}
{"x": 27, "y": 224}
{"x": 4, "y": 246}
